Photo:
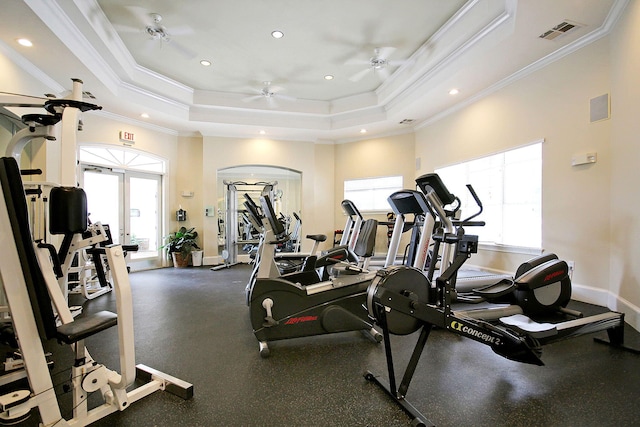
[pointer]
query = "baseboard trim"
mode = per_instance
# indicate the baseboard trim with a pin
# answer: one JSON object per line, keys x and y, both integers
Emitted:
{"x": 607, "y": 299}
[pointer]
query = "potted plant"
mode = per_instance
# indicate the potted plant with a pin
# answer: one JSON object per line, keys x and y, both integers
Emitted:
{"x": 180, "y": 244}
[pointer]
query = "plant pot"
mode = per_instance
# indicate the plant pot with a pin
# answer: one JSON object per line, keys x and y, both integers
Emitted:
{"x": 179, "y": 261}
{"x": 196, "y": 258}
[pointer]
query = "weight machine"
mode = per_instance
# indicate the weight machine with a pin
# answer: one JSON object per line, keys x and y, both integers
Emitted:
{"x": 29, "y": 283}
{"x": 231, "y": 227}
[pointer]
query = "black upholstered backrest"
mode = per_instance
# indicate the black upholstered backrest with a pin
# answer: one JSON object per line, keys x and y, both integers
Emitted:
{"x": 366, "y": 243}
{"x": 14, "y": 196}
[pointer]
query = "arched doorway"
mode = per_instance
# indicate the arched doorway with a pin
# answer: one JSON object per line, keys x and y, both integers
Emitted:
{"x": 235, "y": 235}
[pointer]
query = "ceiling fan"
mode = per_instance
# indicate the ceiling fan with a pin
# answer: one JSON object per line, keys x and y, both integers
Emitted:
{"x": 158, "y": 33}
{"x": 270, "y": 93}
{"x": 378, "y": 64}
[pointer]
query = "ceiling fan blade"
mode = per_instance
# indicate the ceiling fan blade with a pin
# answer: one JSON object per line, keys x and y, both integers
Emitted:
{"x": 286, "y": 97}
{"x": 360, "y": 75}
{"x": 141, "y": 14}
{"x": 382, "y": 73}
{"x": 399, "y": 62}
{"x": 385, "y": 52}
{"x": 127, "y": 29}
{"x": 185, "y": 51}
{"x": 150, "y": 45}
{"x": 360, "y": 62}
{"x": 183, "y": 30}
{"x": 271, "y": 102}
{"x": 252, "y": 98}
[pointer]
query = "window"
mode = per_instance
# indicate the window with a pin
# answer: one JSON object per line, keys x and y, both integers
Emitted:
{"x": 370, "y": 194}
{"x": 509, "y": 184}
{"x": 120, "y": 158}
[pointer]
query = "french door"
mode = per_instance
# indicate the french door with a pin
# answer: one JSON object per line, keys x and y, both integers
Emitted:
{"x": 130, "y": 203}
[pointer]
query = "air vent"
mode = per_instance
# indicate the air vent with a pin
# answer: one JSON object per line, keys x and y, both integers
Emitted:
{"x": 406, "y": 121}
{"x": 561, "y": 29}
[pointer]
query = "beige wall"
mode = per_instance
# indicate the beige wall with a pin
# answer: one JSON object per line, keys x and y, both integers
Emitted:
{"x": 624, "y": 279}
{"x": 102, "y": 130}
{"x": 553, "y": 104}
{"x": 370, "y": 158}
{"x": 189, "y": 180}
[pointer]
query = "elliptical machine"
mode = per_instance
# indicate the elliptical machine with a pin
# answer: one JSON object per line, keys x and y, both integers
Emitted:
{"x": 439, "y": 226}
{"x": 403, "y": 300}
{"x": 283, "y": 307}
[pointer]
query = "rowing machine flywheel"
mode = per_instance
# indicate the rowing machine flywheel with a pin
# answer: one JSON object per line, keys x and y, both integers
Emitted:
{"x": 405, "y": 281}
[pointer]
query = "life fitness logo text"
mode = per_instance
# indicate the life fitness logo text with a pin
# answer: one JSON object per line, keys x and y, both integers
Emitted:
{"x": 553, "y": 275}
{"x": 457, "y": 326}
{"x": 301, "y": 319}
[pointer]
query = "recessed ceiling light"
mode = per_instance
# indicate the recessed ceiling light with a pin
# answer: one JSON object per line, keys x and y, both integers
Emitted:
{"x": 144, "y": 115}
{"x": 454, "y": 91}
{"x": 205, "y": 63}
{"x": 262, "y": 132}
{"x": 277, "y": 34}
{"x": 328, "y": 77}
{"x": 24, "y": 42}
{"x": 363, "y": 131}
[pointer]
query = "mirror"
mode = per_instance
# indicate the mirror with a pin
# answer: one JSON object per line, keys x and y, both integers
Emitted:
{"x": 236, "y": 235}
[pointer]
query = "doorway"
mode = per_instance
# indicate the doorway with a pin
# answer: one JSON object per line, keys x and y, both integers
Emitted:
{"x": 130, "y": 202}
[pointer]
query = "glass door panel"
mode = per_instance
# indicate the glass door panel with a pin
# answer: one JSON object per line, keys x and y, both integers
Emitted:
{"x": 143, "y": 213}
{"x": 104, "y": 191}
{"x": 129, "y": 202}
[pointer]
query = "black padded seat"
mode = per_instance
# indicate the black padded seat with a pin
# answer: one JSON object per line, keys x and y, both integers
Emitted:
{"x": 317, "y": 237}
{"x": 83, "y": 327}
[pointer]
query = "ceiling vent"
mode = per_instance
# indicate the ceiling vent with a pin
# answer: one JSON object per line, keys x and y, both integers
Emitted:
{"x": 406, "y": 121}
{"x": 561, "y": 29}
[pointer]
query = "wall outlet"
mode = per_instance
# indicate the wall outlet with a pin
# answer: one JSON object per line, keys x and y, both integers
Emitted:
{"x": 572, "y": 268}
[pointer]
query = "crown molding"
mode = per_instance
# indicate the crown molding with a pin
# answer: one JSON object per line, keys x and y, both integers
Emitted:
{"x": 614, "y": 15}
{"x": 134, "y": 122}
{"x": 31, "y": 69}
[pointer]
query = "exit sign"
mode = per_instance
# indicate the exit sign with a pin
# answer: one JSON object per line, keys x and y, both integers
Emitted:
{"x": 127, "y": 137}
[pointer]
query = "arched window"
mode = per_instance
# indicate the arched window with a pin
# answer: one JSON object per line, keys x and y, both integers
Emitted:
{"x": 121, "y": 158}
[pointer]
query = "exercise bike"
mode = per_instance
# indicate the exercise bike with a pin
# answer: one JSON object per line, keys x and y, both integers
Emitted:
{"x": 279, "y": 263}
{"x": 292, "y": 306}
{"x": 403, "y": 300}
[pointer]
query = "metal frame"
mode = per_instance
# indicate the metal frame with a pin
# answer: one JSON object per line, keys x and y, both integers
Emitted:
{"x": 26, "y": 299}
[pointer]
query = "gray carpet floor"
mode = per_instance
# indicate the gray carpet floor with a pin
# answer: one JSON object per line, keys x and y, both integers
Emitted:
{"x": 194, "y": 324}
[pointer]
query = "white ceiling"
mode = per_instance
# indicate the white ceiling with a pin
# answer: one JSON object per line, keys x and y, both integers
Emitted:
{"x": 475, "y": 46}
